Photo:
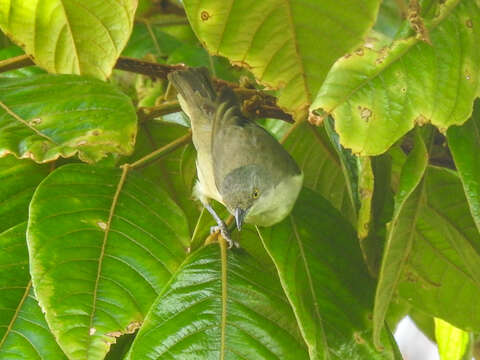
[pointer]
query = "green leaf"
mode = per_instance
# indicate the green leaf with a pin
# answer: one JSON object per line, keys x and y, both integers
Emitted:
{"x": 400, "y": 235}
{"x": 148, "y": 39}
{"x": 185, "y": 320}
{"x": 390, "y": 17}
{"x": 443, "y": 269}
{"x": 176, "y": 171}
{"x": 24, "y": 334}
{"x": 70, "y": 37}
{"x": 464, "y": 142}
{"x": 19, "y": 178}
{"x": 101, "y": 249}
{"x": 424, "y": 322}
{"x": 379, "y": 93}
{"x": 47, "y": 116}
{"x": 323, "y": 170}
{"x": 321, "y": 269}
{"x": 452, "y": 342}
{"x": 287, "y": 45}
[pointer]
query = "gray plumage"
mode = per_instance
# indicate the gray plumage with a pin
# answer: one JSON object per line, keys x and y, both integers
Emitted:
{"x": 239, "y": 163}
{"x": 254, "y": 160}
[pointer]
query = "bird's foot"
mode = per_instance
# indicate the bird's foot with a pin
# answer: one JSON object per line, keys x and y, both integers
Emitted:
{"x": 222, "y": 227}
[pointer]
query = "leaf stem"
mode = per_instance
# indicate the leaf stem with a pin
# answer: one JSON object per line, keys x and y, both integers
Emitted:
{"x": 148, "y": 113}
{"x": 17, "y": 311}
{"x": 164, "y": 150}
{"x": 223, "y": 326}
{"x": 16, "y": 62}
{"x": 123, "y": 177}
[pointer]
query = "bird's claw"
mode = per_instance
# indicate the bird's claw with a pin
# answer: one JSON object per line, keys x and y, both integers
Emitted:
{"x": 225, "y": 234}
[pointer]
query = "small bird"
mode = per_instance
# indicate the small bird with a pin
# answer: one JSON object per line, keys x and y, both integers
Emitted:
{"x": 239, "y": 163}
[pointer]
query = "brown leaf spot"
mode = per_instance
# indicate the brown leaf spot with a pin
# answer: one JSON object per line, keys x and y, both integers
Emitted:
{"x": 316, "y": 117}
{"x": 360, "y": 52}
{"x": 416, "y": 21}
{"x": 365, "y": 113}
{"x": 358, "y": 338}
{"x": 469, "y": 23}
{"x": 114, "y": 334}
{"x": 35, "y": 121}
{"x": 82, "y": 142}
{"x": 411, "y": 277}
{"x": 421, "y": 120}
{"x": 365, "y": 193}
{"x": 241, "y": 63}
{"x": 45, "y": 146}
{"x": 134, "y": 325}
{"x": 204, "y": 15}
{"x": 96, "y": 132}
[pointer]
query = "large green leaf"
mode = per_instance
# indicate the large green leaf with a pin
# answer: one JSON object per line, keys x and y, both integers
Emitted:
{"x": 289, "y": 45}
{"x": 46, "y": 116}
{"x": 321, "y": 269}
{"x": 464, "y": 143}
{"x": 24, "y": 334}
{"x": 18, "y": 179}
{"x": 70, "y": 37}
{"x": 185, "y": 320}
{"x": 443, "y": 269}
{"x": 381, "y": 91}
{"x": 100, "y": 252}
{"x": 400, "y": 234}
{"x": 322, "y": 168}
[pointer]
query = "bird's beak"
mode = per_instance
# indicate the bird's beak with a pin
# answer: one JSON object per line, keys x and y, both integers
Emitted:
{"x": 239, "y": 217}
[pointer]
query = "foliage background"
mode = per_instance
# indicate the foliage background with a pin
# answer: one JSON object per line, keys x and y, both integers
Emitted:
{"x": 103, "y": 252}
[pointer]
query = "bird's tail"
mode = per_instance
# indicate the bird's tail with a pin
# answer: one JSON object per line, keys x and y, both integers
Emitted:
{"x": 196, "y": 91}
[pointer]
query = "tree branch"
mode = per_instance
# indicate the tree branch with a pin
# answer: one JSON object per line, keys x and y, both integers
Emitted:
{"x": 256, "y": 103}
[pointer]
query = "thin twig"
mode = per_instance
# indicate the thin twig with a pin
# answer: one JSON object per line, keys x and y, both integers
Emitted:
{"x": 164, "y": 150}
{"x": 15, "y": 63}
{"x": 148, "y": 113}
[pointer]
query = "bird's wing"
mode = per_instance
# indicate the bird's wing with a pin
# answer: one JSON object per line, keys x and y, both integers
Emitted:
{"x": 237, "y": 141}
{"x": 198, "y": 100}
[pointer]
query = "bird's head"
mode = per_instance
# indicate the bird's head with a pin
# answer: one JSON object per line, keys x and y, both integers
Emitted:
{"x": 253, "y": 196}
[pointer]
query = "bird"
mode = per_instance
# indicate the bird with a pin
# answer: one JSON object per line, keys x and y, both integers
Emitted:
{"x": 239, "y": 163}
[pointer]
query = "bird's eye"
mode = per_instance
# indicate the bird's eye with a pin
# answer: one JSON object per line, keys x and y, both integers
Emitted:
{"x": 255, "y": 193}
